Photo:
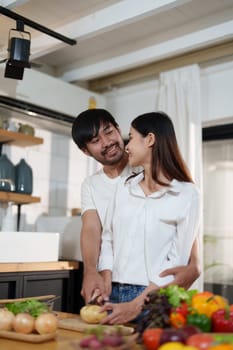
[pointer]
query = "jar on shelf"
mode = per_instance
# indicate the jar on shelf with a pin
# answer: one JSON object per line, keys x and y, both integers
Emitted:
{"x": 23, "y": 178}
{"x": 7, "y": 174}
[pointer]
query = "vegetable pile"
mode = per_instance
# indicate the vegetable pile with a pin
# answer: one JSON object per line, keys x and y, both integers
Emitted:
{"x": 174, "y": 314}
{"x": 26, "y": 317}
{"x": 101, "y": 338}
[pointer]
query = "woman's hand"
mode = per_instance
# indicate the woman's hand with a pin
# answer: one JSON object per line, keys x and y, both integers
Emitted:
{"x": 121, "y": 313}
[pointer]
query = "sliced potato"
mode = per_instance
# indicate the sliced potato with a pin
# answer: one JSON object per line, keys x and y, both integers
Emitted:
{"x": 92, "y": 314}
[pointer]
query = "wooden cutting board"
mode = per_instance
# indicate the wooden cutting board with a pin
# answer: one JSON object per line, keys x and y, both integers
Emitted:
{"x": 30, "y": 338}
{"x": 77, "y": 324}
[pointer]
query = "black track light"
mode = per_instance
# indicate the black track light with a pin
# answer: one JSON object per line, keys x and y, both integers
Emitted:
{"x": 18, "y": 52}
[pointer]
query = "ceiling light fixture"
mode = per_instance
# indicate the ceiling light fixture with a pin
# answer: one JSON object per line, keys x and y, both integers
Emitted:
{"x": 20, "y": 41}
{"x": 18, "y": 52}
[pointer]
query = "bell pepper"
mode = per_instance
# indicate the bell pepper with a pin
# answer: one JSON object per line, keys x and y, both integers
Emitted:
{"x": 206, "y": 303}
{"x": 201, "y": 321}
{"x": 177, "y": 320}
{"x": 222, "y": 321}
{"x": 183, "y": 309}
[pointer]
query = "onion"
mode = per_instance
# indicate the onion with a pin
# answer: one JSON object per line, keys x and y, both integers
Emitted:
{"x": 92, "y": 314}
{"x": 24, "y": 323}
{"x": 46, "y": 323}
{"x": 6, "y": 320}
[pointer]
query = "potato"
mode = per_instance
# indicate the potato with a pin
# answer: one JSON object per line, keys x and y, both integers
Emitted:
{"x": 92, "y": 314}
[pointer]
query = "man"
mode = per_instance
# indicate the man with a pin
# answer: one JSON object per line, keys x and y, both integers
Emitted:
{"x": 97, "y": 134}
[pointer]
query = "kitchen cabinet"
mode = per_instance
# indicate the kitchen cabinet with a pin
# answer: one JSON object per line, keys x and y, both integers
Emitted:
{"x": 63, "y": 283}
{"x": 21, "y": 140}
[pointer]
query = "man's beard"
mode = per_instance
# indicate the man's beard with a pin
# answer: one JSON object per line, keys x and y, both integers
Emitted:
{"x": 115, "y": 158}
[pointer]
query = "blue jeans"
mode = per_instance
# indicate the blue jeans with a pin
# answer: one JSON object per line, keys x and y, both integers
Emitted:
{"x": 122, "y": 292}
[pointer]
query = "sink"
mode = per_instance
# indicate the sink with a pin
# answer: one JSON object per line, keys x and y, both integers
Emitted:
{"x": 28, "y": 247}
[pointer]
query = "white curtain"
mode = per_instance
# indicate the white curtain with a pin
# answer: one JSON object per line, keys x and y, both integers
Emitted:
{"x": 179, "y": 96}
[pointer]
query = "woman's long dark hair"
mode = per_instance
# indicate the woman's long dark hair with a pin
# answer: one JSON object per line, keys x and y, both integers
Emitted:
{"x": 166, "y": 156}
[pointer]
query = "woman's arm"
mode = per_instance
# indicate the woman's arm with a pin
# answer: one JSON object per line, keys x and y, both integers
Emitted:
{"x": 124, "y": 312}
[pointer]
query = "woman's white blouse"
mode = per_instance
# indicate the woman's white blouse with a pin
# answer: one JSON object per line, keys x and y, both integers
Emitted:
{"x": 144, "y": 235}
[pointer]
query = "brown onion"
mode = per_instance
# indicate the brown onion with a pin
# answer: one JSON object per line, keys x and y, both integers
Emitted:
{"x": 6, "y": 319}
{"x": 46, "y": 323}
{"x": 24, "y": 323}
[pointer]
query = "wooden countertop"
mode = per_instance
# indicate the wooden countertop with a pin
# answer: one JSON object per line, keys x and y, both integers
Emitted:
{"x": 39, "y": 266}
{"x": 63, "y": 341}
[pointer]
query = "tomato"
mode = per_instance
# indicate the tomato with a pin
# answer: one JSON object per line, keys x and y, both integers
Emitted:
{"x": 200, "y": 341}
{"x": 151, "y": 338}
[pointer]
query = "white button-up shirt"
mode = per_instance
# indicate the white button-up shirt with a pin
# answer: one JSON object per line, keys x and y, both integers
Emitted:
{"x": 144, "y": 235}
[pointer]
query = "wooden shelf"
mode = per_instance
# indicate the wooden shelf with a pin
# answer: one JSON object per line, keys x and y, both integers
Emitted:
{"x": 18, "y": 198}
{"x": 19, "y": 139}
{"x": 39, "y": 266}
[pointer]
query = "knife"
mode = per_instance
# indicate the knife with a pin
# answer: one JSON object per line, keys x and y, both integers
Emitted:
{"x": 96, "y": 298}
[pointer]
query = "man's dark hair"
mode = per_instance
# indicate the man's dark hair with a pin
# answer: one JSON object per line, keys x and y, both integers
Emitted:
{"x": 87, "y": 125}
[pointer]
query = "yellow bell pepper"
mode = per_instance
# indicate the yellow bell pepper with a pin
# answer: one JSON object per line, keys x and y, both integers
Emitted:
{"x": 207, "y": 303}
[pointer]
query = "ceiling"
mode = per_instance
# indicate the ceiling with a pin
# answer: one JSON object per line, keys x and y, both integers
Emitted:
{"x": 116, "y": 36}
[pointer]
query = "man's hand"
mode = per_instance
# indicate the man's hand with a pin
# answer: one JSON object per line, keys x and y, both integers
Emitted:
{"x": 91, "y": 282}
{"x": 185, "y": 276}
{"x": 120, "y": 313}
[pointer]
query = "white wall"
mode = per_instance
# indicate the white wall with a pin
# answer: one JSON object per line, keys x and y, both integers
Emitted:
{"x": 128, "y": 102}
{"x": 217, "y": 97}
{"x": 217, "y": 94}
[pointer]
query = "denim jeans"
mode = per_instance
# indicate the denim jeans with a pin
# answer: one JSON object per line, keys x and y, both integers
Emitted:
{"x": 122, "y": 293}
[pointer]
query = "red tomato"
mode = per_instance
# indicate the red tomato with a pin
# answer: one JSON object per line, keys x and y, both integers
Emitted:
{"x": 151, "y": 338}
{"x": 200, "y": 341}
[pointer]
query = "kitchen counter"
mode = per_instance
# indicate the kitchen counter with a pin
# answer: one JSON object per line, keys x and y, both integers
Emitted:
{"x": 63, "y": 341}
{"x": 39, "y": 266}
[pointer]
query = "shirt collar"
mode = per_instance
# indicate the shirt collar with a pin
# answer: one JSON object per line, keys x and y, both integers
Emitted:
{"x": 133, "y": 183}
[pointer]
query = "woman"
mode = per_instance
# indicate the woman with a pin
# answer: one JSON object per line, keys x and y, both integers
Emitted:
{"x": 152, "y": 220}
